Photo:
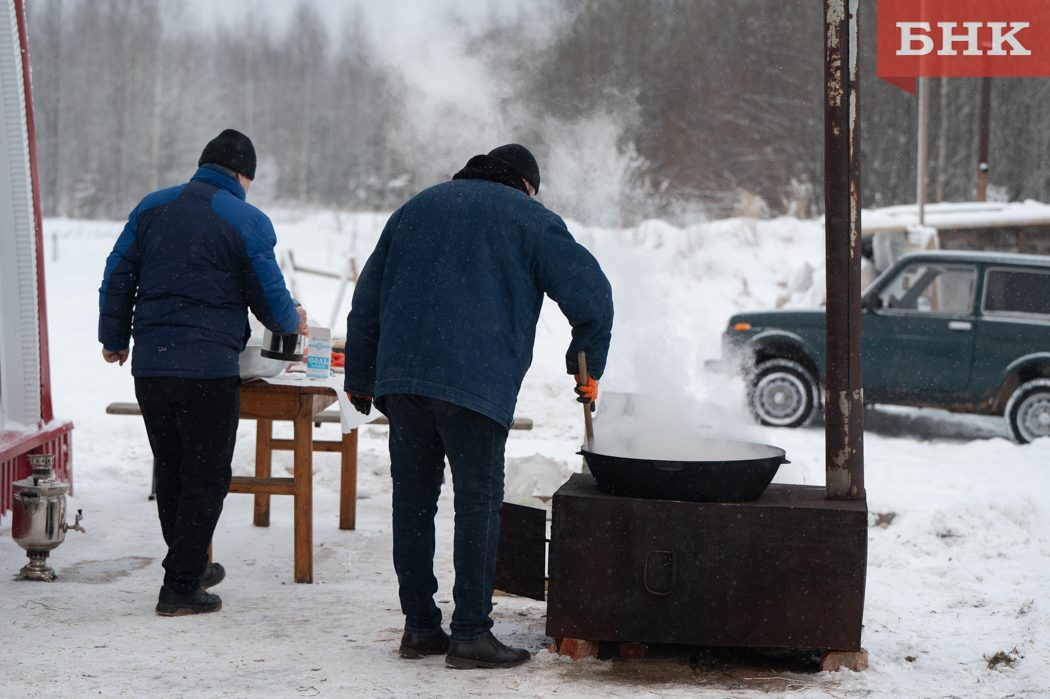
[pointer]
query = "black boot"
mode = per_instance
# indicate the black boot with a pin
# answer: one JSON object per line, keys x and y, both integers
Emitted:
{"x": 172, "y": 603}
{"x": 416, "y": 645}
{"x": 213, "y": 575}
{"x": 487, "y": 651}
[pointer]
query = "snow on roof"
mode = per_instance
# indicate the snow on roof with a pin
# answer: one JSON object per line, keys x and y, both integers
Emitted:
{"x": 950, "y": 215}
{"x": 992, "y": 256}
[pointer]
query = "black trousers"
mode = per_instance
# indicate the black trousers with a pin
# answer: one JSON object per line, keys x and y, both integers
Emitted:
{"x": 192, "y": 428}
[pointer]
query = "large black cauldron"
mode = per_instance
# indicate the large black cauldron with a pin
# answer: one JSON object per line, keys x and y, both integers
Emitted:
{"x": 724, "y": 471}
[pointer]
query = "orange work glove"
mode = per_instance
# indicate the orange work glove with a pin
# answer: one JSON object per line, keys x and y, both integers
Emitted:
{"x": 587, "y": 393}
{"x": 363, "y": 404}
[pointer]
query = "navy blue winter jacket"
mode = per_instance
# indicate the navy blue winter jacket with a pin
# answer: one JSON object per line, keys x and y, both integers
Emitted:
{"x": 447, "y": 304}
{"x": 184, "y": 271}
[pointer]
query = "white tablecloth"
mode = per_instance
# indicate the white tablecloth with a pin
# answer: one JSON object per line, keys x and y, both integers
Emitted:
{"x": 349, "y": 418}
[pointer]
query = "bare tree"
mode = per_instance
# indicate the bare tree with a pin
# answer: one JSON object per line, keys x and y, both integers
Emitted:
{"x": 714, "y": 100}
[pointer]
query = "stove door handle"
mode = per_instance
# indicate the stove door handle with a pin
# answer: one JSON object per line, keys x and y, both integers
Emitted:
{"x": 673, "y": 570}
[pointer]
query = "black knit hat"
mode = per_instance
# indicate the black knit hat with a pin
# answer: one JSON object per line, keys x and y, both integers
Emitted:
{"x": 521, "y": 160}
{"x": 232, "y": 150}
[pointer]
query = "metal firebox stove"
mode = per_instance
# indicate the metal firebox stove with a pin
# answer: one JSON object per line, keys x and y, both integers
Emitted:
{"x": 786, "y": 570}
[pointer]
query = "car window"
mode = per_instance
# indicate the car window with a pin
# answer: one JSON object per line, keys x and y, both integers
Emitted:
{"x": 931, "y": 288}
{"x": 1019, "y": 293}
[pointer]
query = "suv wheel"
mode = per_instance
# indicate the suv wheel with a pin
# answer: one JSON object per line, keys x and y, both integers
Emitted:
{"x": 1028, "y": 411}
{"x": 782, "y": 393}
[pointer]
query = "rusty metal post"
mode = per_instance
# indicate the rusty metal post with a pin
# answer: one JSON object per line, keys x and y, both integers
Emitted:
{"x": 844, "y": 400}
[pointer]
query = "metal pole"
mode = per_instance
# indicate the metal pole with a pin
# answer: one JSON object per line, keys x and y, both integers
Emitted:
{"x": 844, "y": 401}
{"x": 920, "y": 177}
{"x": 942, "y": 142}
{"x": 982, "y": 142}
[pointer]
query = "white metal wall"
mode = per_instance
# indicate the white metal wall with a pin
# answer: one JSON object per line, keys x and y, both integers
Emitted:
{"x": 19, "y": 317}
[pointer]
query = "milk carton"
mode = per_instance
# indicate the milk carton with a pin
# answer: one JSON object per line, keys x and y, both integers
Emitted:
{"x": 319, "y": 354}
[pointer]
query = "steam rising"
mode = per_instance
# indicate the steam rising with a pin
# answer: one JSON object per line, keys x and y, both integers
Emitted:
{"x": 668, "y": 284}
{"x": 641, "y": 426}
{"x": 460, "y": 97}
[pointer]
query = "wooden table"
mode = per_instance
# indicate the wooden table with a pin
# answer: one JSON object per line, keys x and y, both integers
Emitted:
{"x": 264, "y": 403}
{"x": 304, "y": 405}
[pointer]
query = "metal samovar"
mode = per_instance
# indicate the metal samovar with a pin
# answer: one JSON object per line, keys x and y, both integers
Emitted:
{"x": 39, "y": 521}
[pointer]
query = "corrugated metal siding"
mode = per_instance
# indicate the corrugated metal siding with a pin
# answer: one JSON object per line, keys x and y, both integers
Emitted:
{"x": 21, "y": 353}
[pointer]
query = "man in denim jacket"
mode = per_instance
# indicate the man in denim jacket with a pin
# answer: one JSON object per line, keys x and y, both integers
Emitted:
{"x": 440, "y": 336}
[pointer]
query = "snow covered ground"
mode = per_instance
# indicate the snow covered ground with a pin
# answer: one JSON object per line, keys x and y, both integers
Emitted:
{"x": 958, "y": 575}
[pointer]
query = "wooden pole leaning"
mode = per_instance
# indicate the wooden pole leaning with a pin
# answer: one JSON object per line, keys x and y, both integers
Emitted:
{"x": 588, "y": 425}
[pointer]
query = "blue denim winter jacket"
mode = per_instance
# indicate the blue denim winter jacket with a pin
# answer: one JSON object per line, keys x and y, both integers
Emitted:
{"x": 184, "y": 271}
{"x": 447, "y": 304}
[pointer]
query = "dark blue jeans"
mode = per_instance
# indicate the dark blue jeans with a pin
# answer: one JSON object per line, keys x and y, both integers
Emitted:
{"x": 423, "y": 431}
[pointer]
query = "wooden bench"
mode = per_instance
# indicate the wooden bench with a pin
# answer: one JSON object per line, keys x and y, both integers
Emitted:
{"x": 305, "y": 407}
{"x": 327, "y": 416}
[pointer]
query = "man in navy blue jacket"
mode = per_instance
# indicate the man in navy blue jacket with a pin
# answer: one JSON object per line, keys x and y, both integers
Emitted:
{"x": 190, "y": 262}
{"x": 440, "y": 336}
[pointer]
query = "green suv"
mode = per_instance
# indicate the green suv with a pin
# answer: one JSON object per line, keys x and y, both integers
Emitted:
{"x": 964, "y": 331}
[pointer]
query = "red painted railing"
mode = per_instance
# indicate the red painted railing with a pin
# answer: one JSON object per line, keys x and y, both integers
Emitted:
{"x": 54, "y": 438}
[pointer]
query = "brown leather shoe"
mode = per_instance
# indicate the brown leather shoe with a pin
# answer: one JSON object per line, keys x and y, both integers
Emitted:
{"x": 486, "y": 652}
{"x": 416, "y": 645}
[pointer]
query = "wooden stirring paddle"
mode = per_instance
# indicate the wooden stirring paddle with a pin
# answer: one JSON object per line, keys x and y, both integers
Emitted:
{"x": 588, "y": 425}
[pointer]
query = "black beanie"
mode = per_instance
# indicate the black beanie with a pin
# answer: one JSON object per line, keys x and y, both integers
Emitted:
{"x": 521, "y": 161}
{"x": 232, "y": 150}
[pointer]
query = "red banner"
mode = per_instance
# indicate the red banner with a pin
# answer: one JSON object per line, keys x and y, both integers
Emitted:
{"x": 962, "y": 38}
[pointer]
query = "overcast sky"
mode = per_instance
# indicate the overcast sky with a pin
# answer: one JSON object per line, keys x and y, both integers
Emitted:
{"x": 385, "y": 14}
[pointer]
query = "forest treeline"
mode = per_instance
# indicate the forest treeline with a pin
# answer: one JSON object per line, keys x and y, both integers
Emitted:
{"x": 127, "y": 92}
{"x": 716, "y": 106}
